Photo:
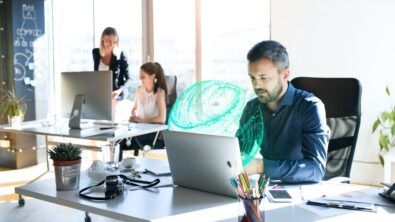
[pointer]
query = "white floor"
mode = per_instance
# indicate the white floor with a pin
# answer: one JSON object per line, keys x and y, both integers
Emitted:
{"x": 36, "y": 210}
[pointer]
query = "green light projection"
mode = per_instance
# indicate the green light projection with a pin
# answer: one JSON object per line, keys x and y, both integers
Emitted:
{"x": 215, "y": 107}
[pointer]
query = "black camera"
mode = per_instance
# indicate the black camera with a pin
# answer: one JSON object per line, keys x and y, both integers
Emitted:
{"x": 113, "y": 186}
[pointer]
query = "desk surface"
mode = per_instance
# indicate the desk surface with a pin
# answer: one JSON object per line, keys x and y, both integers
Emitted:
{"x": 160, "y": 204}
{"x": 62, "y": 130}
{"x": 181, "y": 204}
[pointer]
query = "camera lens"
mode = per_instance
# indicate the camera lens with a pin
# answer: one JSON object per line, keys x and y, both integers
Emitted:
{"x": 112, "y": 181}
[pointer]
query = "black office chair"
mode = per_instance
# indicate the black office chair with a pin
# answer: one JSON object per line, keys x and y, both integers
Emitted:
{"x": 342, "y": 99}
{"x": 171, "y": 84}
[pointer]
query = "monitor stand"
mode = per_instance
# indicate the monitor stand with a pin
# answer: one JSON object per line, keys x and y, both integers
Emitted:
{"x": 75, "y": 121}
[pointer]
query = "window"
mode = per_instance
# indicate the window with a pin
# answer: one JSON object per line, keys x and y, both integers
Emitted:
{"x": 125, "y": 17}
{"x": 229, "y": 30}
{"x": 174, "y": 39}
{"x": 73, "y": 35}
{"x": 73, "y": 38}
{"x": 77, "y": 30}
{"x": 227, "y": 33}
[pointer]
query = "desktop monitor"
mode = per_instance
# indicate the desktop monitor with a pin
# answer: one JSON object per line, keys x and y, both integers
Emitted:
{"x": 96, "y": 89}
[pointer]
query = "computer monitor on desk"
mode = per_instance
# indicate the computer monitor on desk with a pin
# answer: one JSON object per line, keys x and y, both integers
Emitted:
{"x": 86, "y": 95}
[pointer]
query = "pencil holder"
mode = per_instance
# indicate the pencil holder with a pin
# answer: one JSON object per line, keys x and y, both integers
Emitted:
{"x": 250, "y": 210}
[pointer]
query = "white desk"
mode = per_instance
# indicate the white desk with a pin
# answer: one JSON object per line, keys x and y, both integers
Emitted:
{"x": 61, "y": 129}
{"x": 181, "y": 204}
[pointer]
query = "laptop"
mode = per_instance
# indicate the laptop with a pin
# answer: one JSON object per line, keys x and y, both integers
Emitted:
{"x": 199, "y": 161}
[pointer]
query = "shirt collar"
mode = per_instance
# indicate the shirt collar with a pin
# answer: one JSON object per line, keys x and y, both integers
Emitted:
{"x": 288, "y": 96}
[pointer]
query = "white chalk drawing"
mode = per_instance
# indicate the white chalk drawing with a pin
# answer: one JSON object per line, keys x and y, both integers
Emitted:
{"x": 29, "y": 20}
{"x": 24, "y": 61}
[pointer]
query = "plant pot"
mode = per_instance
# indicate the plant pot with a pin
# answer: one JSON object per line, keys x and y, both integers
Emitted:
{"x": 389, "y": 159}
{"x": 67, "y": 174}
{"x": 15, "y": 121}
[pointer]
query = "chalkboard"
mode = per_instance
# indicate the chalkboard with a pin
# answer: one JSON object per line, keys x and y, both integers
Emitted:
{"x": 28, "y": 53}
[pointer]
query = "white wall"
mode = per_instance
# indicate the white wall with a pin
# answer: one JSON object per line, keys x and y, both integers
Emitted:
{"x": 344, "y": 38}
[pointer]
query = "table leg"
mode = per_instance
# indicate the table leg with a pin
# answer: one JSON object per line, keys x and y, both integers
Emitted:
{"x": 46, "y": 152}
{"x": 21, "y": 201}
{"x": 87, "y": 217}
{"x": 156, "y": 137}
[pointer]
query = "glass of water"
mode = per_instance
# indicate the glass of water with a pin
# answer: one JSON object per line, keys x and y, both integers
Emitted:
{"x": 111, "y": 154}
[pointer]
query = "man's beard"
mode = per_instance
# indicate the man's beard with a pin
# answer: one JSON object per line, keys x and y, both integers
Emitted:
{"x": 265, "y": 96}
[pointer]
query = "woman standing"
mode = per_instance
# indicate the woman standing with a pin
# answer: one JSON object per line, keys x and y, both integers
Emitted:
{"x": 109, "y": 57}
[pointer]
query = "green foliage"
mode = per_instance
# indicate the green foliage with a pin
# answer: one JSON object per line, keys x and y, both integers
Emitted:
{"x": 386, "y": 124}
{"x": 65, "y": 152}
{"x": 12, "y": 105}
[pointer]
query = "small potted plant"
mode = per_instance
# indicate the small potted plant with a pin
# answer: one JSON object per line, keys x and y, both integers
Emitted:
{"x": 13, "y": 108}
{"x": 67, "y": 162}
{"x": 386, "y": 124}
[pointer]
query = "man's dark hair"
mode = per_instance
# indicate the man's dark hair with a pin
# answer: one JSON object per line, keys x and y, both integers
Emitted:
{"x": 270, "y": 50}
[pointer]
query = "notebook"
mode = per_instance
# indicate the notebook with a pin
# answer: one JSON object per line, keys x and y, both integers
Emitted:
{"x": 199, "y": 161}
{"x": 159, "y": 170}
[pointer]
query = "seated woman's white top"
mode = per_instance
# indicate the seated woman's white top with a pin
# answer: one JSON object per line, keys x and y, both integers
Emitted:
{"x": 147, "y": 106}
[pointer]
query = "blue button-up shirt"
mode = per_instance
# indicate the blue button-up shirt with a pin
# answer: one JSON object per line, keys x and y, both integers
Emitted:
{"x": 295, "y": 140}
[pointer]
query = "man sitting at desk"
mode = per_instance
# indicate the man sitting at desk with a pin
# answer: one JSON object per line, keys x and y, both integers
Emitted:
{"x": 295, "y": 133}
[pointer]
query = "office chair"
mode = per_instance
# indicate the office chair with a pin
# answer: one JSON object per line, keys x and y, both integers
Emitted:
{"x": 171, "y": 82}
{"x": 171, "y": 97}
{"x": 342, "y": 100}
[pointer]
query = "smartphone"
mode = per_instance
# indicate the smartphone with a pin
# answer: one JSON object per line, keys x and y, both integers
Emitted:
{"x": 279, "y": 195}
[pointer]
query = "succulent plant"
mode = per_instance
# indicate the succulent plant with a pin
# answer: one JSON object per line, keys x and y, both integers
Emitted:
{"x": 65, "y": 152}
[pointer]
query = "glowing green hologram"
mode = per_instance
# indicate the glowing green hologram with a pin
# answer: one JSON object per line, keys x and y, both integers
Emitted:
{"x": 214, "y": 107}
{"x": 251, "y": 133}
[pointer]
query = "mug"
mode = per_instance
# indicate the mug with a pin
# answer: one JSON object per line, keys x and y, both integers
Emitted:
{"x": 129, "y": 162}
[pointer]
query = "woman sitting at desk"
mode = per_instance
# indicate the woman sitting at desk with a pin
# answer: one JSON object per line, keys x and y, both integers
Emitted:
{"x": 149, "y": 105}
{"x": 150, "y": 99}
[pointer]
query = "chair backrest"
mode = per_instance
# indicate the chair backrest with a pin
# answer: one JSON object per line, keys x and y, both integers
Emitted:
{"x": 342, "y": 100}
{"x": 171, "y": 83}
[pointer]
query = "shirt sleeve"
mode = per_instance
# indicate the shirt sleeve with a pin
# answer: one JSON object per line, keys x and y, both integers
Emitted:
{"x": 240, "y": 134}
{"x": 311, "y": 168}
{"x": 124, "y": 67}
{"x": 251, "y": 128}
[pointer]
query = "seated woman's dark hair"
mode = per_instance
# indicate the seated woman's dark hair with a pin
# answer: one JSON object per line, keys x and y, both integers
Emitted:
{"x": 154, "y": 68}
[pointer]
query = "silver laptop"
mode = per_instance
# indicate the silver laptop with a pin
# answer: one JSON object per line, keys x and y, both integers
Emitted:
{"x": 199, "y": 161}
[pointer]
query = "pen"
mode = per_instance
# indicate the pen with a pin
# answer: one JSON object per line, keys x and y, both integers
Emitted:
{"x": 108, "y": 127}
{"x": 340, "y": 205}
{"x": 386, "y": 184}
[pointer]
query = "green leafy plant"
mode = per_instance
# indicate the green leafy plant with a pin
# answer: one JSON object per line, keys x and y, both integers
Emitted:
{"x": 386, "y": 124}
{"x": 65, "y": 152}
{"x": 11, "y": 105}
